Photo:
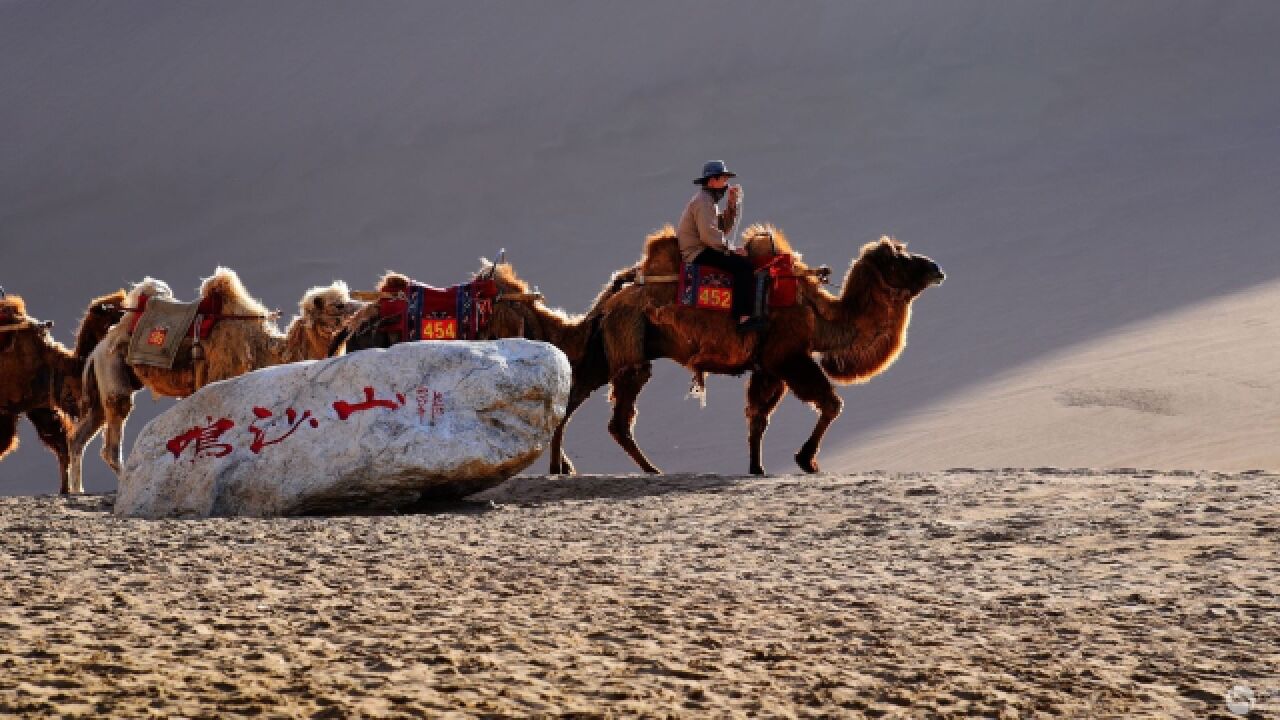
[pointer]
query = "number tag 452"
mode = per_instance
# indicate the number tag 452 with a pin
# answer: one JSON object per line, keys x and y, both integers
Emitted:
{"x": 717, "y": 298}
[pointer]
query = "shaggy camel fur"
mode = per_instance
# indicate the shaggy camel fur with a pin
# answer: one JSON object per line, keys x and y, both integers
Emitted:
{"x": 41, "y": 379}
{"x": 522, "y": 314}
{"x": 855, "y": 335}
{"x": 235, "y": 345}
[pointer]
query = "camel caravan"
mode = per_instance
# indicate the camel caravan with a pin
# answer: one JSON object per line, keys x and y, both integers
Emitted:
{"x": 761, "y": 312}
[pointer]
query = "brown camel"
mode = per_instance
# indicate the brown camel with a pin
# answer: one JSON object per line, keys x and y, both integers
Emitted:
{"x": 40, "y": 378}
{"x": 245, "y": 339}
{"x": 855, "y": 335}
{"x": 517, "y": 313}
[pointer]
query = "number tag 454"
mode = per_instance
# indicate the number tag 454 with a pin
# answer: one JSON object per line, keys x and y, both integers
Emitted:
{"x": 440, "y": 329}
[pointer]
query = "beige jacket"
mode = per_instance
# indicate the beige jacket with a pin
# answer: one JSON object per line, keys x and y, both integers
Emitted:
{"x": 702, "y": 225}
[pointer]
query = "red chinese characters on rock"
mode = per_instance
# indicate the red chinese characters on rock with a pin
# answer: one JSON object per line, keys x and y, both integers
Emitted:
{"x": 205, "y": 438}
{"x": 346, "y": 409}
{"x": 208, "y": 438}
{"x": 292, "y": 418}
{"x": 423, "y": 396}
{"x": 428, "y": 398}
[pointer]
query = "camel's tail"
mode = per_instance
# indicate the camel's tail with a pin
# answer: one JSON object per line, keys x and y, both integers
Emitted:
{"x": 8, "y": 434}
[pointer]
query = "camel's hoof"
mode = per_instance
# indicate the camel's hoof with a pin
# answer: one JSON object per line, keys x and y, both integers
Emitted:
{"x": 807, "y": 463}
{"x": 757, "y": 470}
{"x": 653, "y": 471}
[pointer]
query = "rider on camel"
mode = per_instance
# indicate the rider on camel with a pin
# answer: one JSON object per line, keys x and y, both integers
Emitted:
{"x": 703, "y": 234}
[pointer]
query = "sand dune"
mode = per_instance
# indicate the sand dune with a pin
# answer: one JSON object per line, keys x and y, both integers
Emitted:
{"x": 1197, "y": 388}
{"x": 995, "y": 594}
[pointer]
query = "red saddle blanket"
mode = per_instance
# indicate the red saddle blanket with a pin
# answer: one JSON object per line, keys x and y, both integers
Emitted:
{"x": 423, "y": 312}
{"x": 712, "y": 288}
{"x": 208, "y": 314}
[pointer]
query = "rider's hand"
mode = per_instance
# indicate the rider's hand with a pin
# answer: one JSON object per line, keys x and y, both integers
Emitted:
{"x": 735, "y": 194}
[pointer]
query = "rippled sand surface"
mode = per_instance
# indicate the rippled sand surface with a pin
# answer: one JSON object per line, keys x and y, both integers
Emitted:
{"x": 997, "y": 593}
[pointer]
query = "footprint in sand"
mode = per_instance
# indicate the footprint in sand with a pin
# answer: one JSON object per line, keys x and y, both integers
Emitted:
{"x": 1143, "y": 400}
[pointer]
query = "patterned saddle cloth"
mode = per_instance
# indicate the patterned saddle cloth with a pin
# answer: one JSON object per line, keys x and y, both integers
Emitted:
{"x": 161, "y": 328}
{"x": 423, "y": 312}
{"x": 702, "y": 286}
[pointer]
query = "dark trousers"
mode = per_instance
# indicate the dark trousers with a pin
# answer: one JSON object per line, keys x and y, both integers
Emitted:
{"x": 744, "y": 278}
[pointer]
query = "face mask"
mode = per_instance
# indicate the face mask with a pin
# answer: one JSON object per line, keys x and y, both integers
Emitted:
{"x": 717, "y": 193}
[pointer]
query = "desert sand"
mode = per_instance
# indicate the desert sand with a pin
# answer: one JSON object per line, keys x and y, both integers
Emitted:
{"x": 1098, "y": 180}
{"x": 1014, "y": 593}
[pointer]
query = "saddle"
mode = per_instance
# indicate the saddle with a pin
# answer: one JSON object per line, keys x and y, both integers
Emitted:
{"x": 161, "y": 328}
{"x": 423, "y": 312}
{"x": 702, "y": 286}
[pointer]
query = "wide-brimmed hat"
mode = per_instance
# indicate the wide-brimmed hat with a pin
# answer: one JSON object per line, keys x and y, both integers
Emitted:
{"x": 712, "y": 169}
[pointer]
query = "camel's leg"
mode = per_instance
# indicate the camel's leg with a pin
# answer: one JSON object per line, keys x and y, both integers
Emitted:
{"x": 52, "y": 427}
{"x": 627, "y": 385}
{"x": 560, "y": 463}
{"x": 8, "y": 434}
{"x": 811, "y": 385}
{"x": 764, "y": 392}
{"x": 117, "y": 409}
{"x": 85, "y": 429}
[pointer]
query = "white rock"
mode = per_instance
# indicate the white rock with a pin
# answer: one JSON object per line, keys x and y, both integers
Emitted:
{"x": 376, "y": 428}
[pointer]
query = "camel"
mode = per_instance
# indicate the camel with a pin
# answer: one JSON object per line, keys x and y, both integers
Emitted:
{"x": 854, "y": 335}
{"x": 40, "y": 378}
{"x": 245, "y": 339}
{"x": 518, "y": 313}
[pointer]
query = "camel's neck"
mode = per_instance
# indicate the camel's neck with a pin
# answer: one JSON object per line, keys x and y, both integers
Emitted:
{"x": 62, "y": 359}
{"x": 861, "y": 332}
{"x": 90, "y": 334}
{"x": 299, "y": 342}
{"x": 569, "y": 334}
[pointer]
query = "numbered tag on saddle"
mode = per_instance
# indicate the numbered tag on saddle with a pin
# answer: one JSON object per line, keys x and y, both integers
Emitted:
{"x": 440, "y": 329}
{"x": 460, "y": 312}
{"x": 705, "y": 287}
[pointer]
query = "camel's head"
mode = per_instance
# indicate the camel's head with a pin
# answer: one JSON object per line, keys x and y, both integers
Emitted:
{"x": 899, "y": 269}
{"x": 12, "y": 310}
{"x": 503, "y": 274}
{"x": 517, "y": 315}
{"x": 327, "y": 309}
{"x": 103, "y": 312}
